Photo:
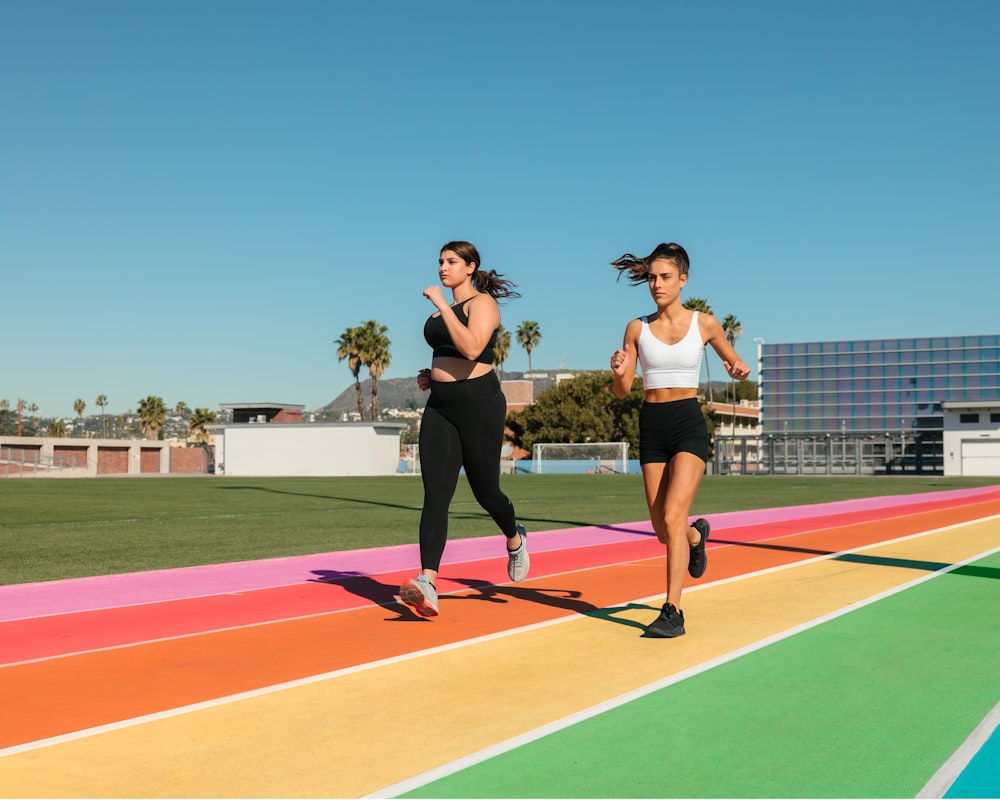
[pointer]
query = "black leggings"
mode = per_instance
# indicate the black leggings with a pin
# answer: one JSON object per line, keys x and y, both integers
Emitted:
{"x": 462, "y": 426}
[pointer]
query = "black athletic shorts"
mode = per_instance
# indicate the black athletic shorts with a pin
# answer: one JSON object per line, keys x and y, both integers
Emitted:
{"x": 666, "y": 429}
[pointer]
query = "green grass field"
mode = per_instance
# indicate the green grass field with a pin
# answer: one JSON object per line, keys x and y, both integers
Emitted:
{"x": 52, "y": 529}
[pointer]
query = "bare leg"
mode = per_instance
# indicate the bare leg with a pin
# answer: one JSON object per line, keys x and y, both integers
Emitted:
{"x": 670, "y": 493}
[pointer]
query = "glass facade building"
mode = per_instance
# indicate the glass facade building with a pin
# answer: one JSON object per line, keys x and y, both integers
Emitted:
{"x": 877, "y": 387}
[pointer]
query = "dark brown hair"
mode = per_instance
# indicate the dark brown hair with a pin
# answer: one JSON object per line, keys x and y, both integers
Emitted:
{"x": 491, "y": 282}
{"x": 637, "y": 268}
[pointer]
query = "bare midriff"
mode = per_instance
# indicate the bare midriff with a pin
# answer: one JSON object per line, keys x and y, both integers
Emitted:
{"x": 669, "y": 395}
{"x": 446, "y": 369}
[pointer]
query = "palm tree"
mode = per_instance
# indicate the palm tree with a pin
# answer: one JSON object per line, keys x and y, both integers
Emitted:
{"x": 102, "y": 403}
{"x": 702, "y": 307}
{"x": 56, "y": 429}
{"x": 349, "y": 347}
{"x": 79, "y": 406}
{"x": 152, "y": 413}
{"x": 375, "y": 355}
{"x": 198, "y": 421}
{"x": 181, "y": 408}
{"x": 733, "y": 329}
{"x": 501, "y": 349}
{"x": 528, "y": 336}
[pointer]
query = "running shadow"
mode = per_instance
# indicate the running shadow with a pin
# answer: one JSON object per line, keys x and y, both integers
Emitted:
{"x": 454, "y": 515}
{"x": 563, "y": 599}
{"x": 384, "y": 595}
{"x": 357, "y": 500}
{"x": 970, "y": 570}
{"x": 367, "y": 588}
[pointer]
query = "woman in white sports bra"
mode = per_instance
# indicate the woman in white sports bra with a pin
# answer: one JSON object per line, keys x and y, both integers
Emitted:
{"x": 673, "y": 438}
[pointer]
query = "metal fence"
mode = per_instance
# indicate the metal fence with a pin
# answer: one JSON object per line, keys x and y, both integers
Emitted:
{"x": 16, "y": 462}
{"x": 826, "y": 455}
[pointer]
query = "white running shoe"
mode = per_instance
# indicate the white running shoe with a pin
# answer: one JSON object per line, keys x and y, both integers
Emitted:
{"x": 518, "y": 560}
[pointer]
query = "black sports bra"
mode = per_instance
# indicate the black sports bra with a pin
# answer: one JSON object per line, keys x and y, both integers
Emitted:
{"x": 437, "y": 336}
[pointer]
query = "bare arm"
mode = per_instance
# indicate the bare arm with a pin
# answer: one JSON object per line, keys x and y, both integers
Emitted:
{"x": 484, "y": 317}
{"x": 623, "y": 361}
{"x": 713, "y": 334}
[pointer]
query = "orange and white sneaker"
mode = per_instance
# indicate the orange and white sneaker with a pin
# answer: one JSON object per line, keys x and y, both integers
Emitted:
{"x": 421, "y": 595}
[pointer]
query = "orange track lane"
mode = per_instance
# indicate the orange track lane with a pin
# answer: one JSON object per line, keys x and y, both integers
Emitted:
{"x": 60, "y": 695}
{"x": 64, "y": 634}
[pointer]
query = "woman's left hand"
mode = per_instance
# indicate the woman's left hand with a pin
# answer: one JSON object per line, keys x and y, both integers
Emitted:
{"x": 738, "y": 370}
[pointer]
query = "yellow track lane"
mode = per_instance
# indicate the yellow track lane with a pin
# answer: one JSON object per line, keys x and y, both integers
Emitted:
{"x": 351, "y": 734}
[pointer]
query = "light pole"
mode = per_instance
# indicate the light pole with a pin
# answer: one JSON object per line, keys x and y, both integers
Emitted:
{"x": 759, "y": 341}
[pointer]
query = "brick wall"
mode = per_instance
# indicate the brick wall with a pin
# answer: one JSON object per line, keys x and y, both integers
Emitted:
{"x": 69, "y": 456}
{"x": 149, "y": 459}
{"x": 112, "y": 461}
{"x": 189, "y": 460}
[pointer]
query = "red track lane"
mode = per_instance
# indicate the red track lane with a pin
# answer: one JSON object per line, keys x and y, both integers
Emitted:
{"x": 55, "y": 696}
{"x": 63, "y": 634}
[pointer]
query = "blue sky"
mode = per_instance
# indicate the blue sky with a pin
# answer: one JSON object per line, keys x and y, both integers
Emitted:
{"x": 197, "y": 198}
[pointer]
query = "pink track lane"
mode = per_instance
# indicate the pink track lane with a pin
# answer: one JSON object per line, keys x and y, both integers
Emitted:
{"x": 24, "y": 601}
{"x": 324, "y": 591}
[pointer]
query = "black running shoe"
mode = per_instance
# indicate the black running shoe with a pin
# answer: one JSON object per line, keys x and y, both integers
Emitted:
{"x": 669, "y": 624}
{"x": 699, "y": 559}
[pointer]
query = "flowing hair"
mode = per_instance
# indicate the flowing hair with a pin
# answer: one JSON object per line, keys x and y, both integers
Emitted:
{"x": 490, "y": 281}
{"x": 637, "y": 269}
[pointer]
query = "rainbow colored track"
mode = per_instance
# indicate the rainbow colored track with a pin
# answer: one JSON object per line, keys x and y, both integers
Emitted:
{"x": 840, "y": 650}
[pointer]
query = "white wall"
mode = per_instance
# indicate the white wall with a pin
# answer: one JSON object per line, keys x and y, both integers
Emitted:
{"x": 351, "y": 448}
{"x": 971, "y": 449}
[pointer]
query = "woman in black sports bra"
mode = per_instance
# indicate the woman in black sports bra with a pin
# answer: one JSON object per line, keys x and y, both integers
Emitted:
{"x": 464, "y": 419}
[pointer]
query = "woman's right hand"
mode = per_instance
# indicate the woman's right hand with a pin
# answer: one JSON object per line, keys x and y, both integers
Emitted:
{"x": 436, "y": 296}
{"x": 619, "y": 362}
{"x": 424, "y": 380}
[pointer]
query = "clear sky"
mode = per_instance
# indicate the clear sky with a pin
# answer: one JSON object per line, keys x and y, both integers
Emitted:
{"x": 198, "y": 198}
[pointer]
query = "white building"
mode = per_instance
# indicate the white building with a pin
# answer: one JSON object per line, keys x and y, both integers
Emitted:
{"x": 971, "y": 438}
{"x": 289, "y": 448}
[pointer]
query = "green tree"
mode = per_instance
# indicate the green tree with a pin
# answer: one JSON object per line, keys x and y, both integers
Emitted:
{"x": 501, "y": 349}
{"x": 56, "y": 429}
{"x": 102, "y": 403}
{"x": 198, "y": 422}
{"x": 152, "y": 412}
{"x": 580, "y": 409}
{"x": 374, "y": 351}
{"x": 747, "y": 390}
{"x": 702, "y": 306}
{"x": 349, "y": 347}
{"x": 528, "y": 337}
{"x": 8, "y": 420}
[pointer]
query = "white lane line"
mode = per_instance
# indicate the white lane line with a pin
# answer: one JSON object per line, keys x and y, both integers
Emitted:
{"x": 941, "y": 781}
{"x": 472, "y": 759}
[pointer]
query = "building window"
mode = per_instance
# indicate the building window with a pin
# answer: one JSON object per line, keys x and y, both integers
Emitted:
{"x": 994, "y": 417}
{"x": 968, "y": 419}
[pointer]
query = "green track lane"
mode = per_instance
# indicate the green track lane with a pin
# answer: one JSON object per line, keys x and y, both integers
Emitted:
{"x": 870, "y": 704}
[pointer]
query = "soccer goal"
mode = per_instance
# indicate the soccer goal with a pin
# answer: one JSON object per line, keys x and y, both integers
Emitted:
{"x": 609, "y": 458}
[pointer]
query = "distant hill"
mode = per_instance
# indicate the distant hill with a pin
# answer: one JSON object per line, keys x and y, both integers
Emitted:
{"x": 403, "y": 392}
{"x": 392, "y": 393}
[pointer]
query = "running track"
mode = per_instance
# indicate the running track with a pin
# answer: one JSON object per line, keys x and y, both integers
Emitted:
{"x": 840, "y": 650}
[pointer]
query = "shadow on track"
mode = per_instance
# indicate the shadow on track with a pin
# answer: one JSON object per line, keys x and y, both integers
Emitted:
{"x": 382, "y": 594}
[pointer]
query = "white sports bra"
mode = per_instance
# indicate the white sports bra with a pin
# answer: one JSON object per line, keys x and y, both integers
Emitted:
{"x": 671, "y": 366}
